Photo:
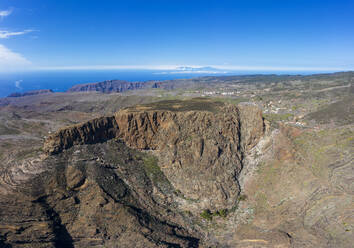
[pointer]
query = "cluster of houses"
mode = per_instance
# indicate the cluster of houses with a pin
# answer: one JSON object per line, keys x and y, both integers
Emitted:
{"x": 222, "y": 93}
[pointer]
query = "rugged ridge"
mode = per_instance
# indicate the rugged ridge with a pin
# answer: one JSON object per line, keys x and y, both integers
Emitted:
{"x": 110, "y": 86}
{"x": 138, "y": 126}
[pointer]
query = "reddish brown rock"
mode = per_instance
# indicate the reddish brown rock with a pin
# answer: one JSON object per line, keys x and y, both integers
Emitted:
{"x": 200, "y": 145}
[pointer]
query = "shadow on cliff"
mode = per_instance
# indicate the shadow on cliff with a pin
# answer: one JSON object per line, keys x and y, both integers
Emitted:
{"x": 4, "y": 245}
{"x": 62, "y": 236}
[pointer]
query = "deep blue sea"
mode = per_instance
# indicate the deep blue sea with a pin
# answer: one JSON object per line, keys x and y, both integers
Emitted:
{"x": 63, "y": 80}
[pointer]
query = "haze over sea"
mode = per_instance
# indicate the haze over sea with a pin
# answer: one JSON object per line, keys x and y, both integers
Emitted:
{"x": 61, "y": 80}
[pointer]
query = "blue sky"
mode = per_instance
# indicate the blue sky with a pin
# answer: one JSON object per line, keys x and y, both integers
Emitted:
{"x": 246, "y": 34}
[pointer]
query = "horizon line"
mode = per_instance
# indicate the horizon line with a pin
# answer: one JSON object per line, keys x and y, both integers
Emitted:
{"x": 192, "y": 67}
{"x": 183, "y": 69}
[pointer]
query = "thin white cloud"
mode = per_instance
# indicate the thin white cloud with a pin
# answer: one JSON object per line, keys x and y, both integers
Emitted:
{"x": 278, "y": 68}
{"x": 176, "y": 68}
{"x": 4, "y": 13}
{"x": 6, "y": 34}
{"x": 190, "y": 72}
{"x": 11, "y": 61}
{"x": 18, "y": 84}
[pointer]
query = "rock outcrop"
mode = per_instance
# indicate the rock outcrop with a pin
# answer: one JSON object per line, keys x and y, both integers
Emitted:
{"x": 200, "y": 147}
{"x": 94, "y": 131}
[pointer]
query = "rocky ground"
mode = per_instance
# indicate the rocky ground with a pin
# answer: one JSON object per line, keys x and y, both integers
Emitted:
{"x": 201, "y": 172}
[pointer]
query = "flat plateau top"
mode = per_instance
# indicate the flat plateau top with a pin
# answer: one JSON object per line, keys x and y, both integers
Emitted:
{"x": 194, "y": 104}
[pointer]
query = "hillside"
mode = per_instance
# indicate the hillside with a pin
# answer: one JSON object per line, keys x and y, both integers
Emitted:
{"x": 31, "y": 93}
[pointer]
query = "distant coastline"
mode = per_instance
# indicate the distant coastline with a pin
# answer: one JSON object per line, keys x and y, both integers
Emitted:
{"x": 62, "y": 80}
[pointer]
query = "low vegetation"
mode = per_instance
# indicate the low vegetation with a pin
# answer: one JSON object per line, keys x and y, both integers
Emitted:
{"x": 195, "y": 104}
{"x": 208, "y": 215}
{"x": 277, "y": 117}
{"x": 154, "y": 172}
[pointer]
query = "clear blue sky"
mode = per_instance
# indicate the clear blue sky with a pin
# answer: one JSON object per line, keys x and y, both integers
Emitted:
{"x": 268, "y": 33}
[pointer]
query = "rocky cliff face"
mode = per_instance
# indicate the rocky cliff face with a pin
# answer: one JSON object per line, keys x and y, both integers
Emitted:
{"x": 140, "y": 178}
{"x": 199, "y": 151}
{"x": 94, "y": 131}
{"x": 113, "y": 86}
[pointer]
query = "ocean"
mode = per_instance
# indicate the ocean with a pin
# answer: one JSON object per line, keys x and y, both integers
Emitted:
{"x": 61, "y": 80}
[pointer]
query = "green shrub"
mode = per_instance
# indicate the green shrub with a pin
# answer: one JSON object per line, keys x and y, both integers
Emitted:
{"x": 154, "y": 172}
{"x": 242, "y": 197}
{"x": 152, "y": 168}
{"x": 189, "y": 213}
{"x": 221, "y": 213}
{"x": 206, "y": 214}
